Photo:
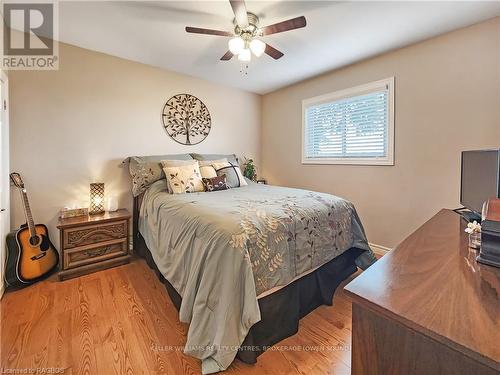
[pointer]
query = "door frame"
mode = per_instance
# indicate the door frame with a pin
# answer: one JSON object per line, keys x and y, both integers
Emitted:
{"x": 4, "y": 170}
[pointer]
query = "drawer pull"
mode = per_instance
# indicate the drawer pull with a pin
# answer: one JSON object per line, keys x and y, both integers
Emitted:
{"x": 97, "y": 252}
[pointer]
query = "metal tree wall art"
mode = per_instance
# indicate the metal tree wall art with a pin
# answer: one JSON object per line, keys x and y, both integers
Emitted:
{"x": 186, "y": 119}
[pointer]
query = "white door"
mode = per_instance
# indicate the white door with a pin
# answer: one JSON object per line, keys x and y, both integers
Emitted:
{"x": 4, "y": 174}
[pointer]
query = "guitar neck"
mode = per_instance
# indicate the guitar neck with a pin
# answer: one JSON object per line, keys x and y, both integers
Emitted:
{"x": 27, "y": 213}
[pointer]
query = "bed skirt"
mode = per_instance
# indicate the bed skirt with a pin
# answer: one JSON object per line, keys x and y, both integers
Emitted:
{"x": 280, "y": 311}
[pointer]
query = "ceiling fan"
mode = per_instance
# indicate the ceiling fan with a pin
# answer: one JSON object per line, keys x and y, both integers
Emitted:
{"x": 245, "y": 38}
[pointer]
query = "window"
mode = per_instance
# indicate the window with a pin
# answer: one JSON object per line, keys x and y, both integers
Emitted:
{"x": 353, "y": 126}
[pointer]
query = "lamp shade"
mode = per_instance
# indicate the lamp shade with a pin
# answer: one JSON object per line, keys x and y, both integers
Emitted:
{"x": 96, "y": 198}
{"x": 245, "y": 55}
{"x": 258, "y": 47}
{"x": 236, "y": 45}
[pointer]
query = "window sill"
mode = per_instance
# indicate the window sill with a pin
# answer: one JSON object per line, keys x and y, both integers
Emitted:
{"x": 385, "y": 162}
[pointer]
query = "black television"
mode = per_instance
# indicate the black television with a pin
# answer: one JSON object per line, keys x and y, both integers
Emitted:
{"x": 480, "y": 178}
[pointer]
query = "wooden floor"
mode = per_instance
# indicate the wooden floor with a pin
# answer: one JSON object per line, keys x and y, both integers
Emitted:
{"x": 121, "y": 321}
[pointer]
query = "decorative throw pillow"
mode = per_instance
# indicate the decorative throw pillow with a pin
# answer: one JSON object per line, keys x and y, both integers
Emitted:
{"x": 234, "y": 177}
{"x": 143, "y": 175}
{"x": 216, "y": 183}
{"x": 145, "y": 170}
{"x": 206, "y": 168}
{"x": 175, "y": 163}
{"x": 184, "y": 178}
{"x": 207, "y": 171}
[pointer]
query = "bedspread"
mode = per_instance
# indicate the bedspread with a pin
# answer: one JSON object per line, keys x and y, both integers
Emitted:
{"x": 221, "y": 249}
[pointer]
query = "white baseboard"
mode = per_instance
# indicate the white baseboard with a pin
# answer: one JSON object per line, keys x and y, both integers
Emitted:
{"x": 379, "y": 249}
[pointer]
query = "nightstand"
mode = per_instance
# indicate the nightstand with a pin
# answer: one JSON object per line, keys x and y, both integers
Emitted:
{"x": 94, "y": 242}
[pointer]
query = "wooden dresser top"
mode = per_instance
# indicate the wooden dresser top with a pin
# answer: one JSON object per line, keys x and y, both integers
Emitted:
{"x": 433, "y": 284}
{"x": 121, "y": 214}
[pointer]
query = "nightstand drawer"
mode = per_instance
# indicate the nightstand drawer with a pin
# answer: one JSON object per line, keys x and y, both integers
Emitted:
{"x": 80, "y": 256}
{"x": 93, "y": 243}
{"x": 85, "y": 235}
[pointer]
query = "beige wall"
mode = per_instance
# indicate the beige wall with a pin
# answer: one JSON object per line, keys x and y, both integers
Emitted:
{"x": 74, "y": 126}
{"x": 447, "y": 99}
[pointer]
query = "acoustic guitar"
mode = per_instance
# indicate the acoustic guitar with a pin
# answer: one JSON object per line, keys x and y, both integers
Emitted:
{"x": 30, "y": 256}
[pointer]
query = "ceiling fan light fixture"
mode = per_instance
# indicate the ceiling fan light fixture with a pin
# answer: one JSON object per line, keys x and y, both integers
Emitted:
{"x": 257, "y": 47}
{"x": 247, "y": 33}
{"x": 236, "y": 45}
{"x": 245, "y": 55}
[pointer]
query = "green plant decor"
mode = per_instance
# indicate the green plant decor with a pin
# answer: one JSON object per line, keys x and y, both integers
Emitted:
{"x": 250, "y": 170}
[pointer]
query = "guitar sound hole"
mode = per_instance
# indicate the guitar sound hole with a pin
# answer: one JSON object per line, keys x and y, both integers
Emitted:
{"x": 45, "y": 243}
{"x": 34, "y": 241}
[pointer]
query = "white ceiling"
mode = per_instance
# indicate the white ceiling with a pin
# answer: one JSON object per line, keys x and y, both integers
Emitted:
{"x": 337, "y": 34}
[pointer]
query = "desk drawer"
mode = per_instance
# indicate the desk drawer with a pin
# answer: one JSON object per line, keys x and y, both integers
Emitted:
{"x": 91, "y": 234}
{"x": 77, "y": 257}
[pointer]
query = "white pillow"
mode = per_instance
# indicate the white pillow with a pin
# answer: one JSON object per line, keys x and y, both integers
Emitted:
{"x": 184, "y": 178}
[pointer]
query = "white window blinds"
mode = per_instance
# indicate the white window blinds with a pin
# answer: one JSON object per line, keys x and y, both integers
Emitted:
{"x": 351, "y": 126}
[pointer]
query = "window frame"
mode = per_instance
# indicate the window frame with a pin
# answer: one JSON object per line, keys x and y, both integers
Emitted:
{"x": 347, "y": 93}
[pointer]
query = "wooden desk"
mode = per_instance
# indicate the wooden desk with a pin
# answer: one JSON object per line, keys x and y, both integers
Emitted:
{"x": 427, "y": 307}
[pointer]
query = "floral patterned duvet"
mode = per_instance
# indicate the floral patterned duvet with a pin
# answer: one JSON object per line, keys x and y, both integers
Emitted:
{"x": 221, "y": 249}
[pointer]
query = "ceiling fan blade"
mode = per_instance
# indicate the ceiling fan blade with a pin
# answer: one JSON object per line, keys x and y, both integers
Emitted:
{"x": 227, "y": 56}
{"x": 240, "y": 12}
{"x": 199, "y": 30}
{"x": 291, "y": 24}
{"x": 273, "y": 52}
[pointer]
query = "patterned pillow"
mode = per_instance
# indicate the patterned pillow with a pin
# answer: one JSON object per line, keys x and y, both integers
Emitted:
{"x": 143, "y": 175}
{"x": 233, "y": 174}
{"x": 174, "y": 163}
{"x": 145, "y": 170}
{"x": 184, "y": 178}
{"x": 215, "y": 183}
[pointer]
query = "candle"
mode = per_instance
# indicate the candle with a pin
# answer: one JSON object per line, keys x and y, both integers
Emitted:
{"x": 112, "y": 204}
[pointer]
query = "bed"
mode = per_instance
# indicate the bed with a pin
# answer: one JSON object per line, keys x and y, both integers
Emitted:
{"x": 243, "y": 265}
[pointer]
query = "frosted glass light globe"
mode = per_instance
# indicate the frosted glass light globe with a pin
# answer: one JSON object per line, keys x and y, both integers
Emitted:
{"x": 245, "y": 55}
{"x": 236, "y": 45}
{"x": 258, "y": 47}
